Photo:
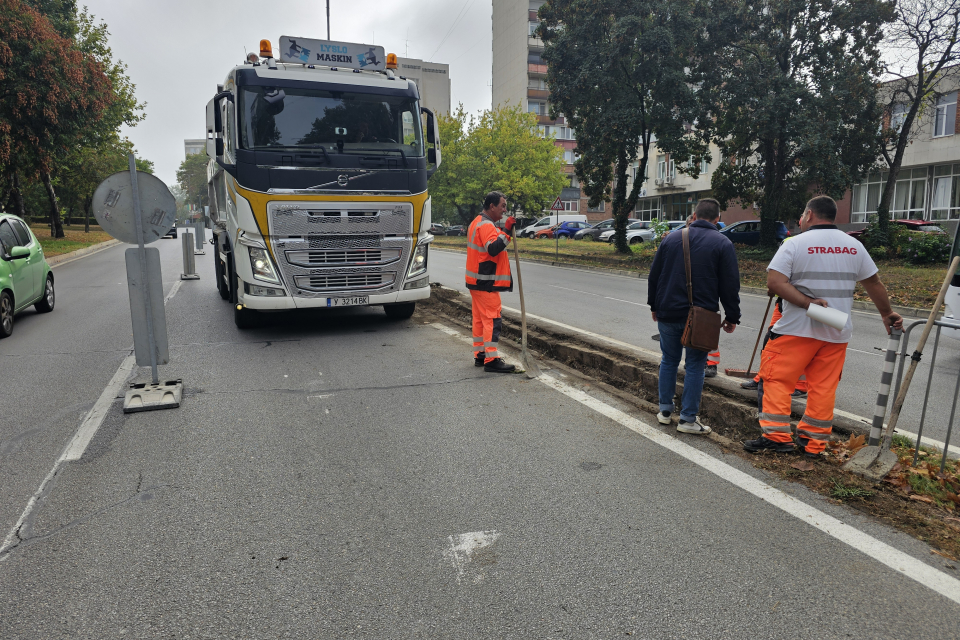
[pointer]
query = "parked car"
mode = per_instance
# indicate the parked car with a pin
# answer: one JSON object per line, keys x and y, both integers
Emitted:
{"x": 549, "y": 221}
{"x": 673, "y": 225}
{"x": 594, "y": 232}
{"x": 748, "y": 232}
{"x": 438, "y": 229}
{"x": 173, "y": 231}
{"x": 545, "y": 233}
{"x": 570, "y": 228}
{"x": 456, "y": 230}
{"x": 637, "y": 232}
{"x": 25, "y": 276}
{"x": 911, "y": 225}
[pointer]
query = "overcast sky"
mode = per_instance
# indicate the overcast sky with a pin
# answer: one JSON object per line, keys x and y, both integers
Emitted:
{"x": 178, "y": 51}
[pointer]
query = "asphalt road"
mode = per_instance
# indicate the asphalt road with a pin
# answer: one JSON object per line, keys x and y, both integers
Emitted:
{"x": 334, "y": 474}
{"x": 615, "y": 306}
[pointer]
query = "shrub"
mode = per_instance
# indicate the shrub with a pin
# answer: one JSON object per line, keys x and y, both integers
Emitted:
{"x": 879, "y": 253}
{"x": 925, "y": 248}
{"x": 659, "y": 227}
{"x": 754, "y": 253}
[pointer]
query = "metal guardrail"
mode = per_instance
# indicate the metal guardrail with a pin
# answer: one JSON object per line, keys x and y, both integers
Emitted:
{"x": 904, "y": 349}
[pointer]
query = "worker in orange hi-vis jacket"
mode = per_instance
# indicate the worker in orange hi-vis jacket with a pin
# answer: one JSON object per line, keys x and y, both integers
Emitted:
{"x": 488, "y": 273}
{"x": 821, "y": 266}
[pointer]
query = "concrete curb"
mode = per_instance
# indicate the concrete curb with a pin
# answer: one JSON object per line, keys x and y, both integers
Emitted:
{"x": 80, "y": 253}
{"x": 859, "y": 305}
{"x": 724, "y": 401}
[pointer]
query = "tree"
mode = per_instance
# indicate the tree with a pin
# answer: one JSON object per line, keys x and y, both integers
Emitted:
{"x": 499, "y": 150}
{"x": 52, "y": 95}
{"x": 792, "y": 85}
{"x": 924, "y": 54}
{"x": 192, "y": 177}
{"x": 618, "y": 72}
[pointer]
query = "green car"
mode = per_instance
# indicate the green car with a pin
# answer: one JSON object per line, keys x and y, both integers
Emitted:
{"x": 25, "y": 276}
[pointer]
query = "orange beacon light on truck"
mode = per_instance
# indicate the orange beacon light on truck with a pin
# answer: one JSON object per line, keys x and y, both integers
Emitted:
{"x": 266, "y": 51}
{"x": 391, "y": 61}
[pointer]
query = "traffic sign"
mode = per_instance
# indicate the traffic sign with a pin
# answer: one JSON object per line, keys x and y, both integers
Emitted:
{"x": 557, "y": 205}
{"x": 113, "y": 207}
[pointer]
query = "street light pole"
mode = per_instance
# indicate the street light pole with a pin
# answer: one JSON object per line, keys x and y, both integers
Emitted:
{"x": 328, "y": 19}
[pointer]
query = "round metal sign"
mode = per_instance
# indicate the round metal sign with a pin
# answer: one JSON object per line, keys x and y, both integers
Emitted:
{"x": 113, "y": 207}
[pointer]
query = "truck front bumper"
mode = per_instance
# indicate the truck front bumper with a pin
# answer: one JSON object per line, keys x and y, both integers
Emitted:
{"x": 280, "y": 303}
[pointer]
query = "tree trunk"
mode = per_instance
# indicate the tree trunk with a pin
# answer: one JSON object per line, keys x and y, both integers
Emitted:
{"x": 18, "y": 197}
{"x": 86, "y": 214}
{"x": 56, "y": 226}
{"x": 620, "y": 213}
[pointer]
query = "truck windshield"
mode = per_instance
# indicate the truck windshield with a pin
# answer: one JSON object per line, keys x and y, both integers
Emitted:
{"x": 279, "y": 118}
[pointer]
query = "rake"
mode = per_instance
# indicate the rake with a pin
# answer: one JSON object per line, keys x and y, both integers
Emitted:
{"x": 747, "y": 373}
{"x": 526, "y": 360}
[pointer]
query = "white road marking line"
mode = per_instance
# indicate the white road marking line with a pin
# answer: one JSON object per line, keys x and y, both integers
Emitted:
{"x": 883, "y": 553}
{"x": 462, "y": 547}
{"x": 81, "y": 439}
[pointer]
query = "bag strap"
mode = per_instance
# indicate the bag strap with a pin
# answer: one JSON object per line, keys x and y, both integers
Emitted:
{"x": 686, "y": 263}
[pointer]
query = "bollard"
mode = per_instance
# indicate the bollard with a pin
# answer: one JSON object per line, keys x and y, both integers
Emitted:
{"x": 199, "y": 227}
{"x": 189, "y": 262}
{"x": 889, "y": 364}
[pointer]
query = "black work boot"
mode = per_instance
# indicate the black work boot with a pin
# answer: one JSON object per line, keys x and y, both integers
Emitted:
{"x": 766, "y": 444}
{"x": 710, "y": 371}
{"x": 497, "y": 365}
{"x": 478, "y": 361}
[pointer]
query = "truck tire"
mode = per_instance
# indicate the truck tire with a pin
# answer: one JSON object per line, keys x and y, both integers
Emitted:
{"x": 245, "y": 318}
{"x": 400, "y": 310}
{"x": 220, "y": 270}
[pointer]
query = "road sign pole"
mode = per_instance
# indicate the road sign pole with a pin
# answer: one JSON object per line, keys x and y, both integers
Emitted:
{"x": 141, "y": 252}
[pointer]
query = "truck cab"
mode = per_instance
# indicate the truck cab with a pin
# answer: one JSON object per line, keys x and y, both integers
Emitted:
{"x": 317, "y": 181}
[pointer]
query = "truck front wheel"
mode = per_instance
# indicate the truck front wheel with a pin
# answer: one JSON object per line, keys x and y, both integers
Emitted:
{"x": 400, "y": 310}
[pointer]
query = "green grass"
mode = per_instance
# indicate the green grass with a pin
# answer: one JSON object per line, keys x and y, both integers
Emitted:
{"x": 75, "y": 238}
{"x": 840, "y": 491}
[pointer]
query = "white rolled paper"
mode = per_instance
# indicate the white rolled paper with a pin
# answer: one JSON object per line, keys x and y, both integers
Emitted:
{"x": 830, "y": 317}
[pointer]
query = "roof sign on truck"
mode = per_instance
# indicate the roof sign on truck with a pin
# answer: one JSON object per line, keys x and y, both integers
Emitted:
{"x": 348, "y": 55}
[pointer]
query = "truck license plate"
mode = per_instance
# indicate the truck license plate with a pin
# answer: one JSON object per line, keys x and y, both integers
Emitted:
{"x": 348, "y": 302}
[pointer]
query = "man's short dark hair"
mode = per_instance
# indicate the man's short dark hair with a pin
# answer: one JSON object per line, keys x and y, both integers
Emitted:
{"x": 824, "y": 207}
{"x": 708, "y": 209}
{"x": 492, "y": 199}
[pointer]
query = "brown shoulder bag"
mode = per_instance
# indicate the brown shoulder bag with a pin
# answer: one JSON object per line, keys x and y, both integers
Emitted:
{"x": 703, "y": 326}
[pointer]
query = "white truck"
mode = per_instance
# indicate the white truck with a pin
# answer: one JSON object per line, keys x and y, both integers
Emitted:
{"x": 318, "y": 181}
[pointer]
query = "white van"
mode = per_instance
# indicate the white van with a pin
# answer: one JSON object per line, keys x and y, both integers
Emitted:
{"x": 549, "y": 221}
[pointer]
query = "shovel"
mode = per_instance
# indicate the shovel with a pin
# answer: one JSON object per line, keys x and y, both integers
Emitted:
{"x": 875, "y": 462}
{"x": 740, "y": 373}
{"x": 526, "y": 360}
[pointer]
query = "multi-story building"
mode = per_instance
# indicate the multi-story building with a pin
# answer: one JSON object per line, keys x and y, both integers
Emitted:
{"x": 193, "y": 147}
{"x": 432, "y": 80}
{"x": 928, "y": 185}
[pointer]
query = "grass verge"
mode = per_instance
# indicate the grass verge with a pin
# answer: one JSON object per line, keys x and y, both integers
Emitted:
{"x": 908, "y": 285}
{"x": 75, "y": 238}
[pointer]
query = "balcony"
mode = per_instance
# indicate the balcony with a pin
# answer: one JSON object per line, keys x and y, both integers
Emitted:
{"x": 534, "y": 43}
{"x": 538, "y": 94}
{"x": 546, "y": 120}
{"x": 540, "y": 69}
{"x": 533, "y": 17}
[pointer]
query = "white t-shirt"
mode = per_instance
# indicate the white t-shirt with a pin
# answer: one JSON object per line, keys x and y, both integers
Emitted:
{"x": 821, "y": 263}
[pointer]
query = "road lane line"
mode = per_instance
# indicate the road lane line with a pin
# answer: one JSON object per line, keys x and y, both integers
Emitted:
{"x": 883, "y": 553}
{"x": 80, "y": 440}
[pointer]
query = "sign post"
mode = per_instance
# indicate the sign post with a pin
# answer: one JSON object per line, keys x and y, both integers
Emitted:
{"x": 557, "y": 208}
{"x": 137, "y": 208}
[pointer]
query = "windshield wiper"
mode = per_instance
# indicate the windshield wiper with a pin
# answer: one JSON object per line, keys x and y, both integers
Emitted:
{"x": 397, "y": 150}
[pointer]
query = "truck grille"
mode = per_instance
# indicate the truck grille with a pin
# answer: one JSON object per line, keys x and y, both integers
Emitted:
{"x": 343, "y": 257}
{"x": 342, "y": 281}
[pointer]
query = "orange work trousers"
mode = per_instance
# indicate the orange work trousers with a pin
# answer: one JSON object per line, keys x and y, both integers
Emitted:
{"x": 802, "y": 383}
{"x": 487, "y": 324}
{"x": 713, "y": 358}
{"x": 783, "y": 360}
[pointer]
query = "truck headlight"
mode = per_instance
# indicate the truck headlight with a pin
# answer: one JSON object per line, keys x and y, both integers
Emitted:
{"x": 418, "y": 264}
{"x": 261, "y": 265}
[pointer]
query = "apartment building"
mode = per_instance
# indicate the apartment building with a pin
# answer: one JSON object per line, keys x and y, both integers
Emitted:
{"x": 194, "y": 146}
{"x": 928, "y": 185}
{"x": 432, "y": 80}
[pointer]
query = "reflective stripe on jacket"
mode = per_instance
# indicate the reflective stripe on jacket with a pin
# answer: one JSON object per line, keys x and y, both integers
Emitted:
{"x": 488, "y": 263}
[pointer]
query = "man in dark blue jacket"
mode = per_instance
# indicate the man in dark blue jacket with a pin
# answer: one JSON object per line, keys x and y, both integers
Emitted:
{"x": 716, "y": 280}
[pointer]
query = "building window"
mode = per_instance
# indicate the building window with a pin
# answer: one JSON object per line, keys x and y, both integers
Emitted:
{"x": 571, "y": 205}
{"x": 666, "y": 169}
{"x": 597, "y": 209}
{"x": 897, "y": 115}
{"x": 866, "y": 197}
{"x": 945, "y": 119}
{"x": 533, "y": 57}
{"x": 536, "y": 83}
{"x": 648, "y": 209}
{"x": 946, "y": 193}
{"x": 533, "y": 27}
{"x": 570, "y": 156}
{"x": 574, "y": 182}
{"x": 910, "y": 195}
{"x": 704, "y": 167}
{"x": 537, "y": 107}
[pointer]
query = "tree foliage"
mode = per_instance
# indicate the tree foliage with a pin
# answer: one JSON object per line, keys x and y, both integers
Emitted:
{"x": 792, "y": 86}
{"x": 617, "y": 71}
{"x": 498, "y": 150}
{"x": 192, "y": 178}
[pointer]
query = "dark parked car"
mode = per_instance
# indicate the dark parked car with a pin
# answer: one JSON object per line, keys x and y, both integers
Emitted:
{"x": 911, "y": 225}
{"x": 173, "y": 231}
{"x": 438, "y": 229}
{"x": 456, "y": 230}
{"x": 748, "y": 232}
{"x": 593, "y": 233}
{"x": 570, "y": 229}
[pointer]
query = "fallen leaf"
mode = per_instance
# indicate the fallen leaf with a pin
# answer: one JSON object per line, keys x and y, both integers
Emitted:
{"x": 952, "y": 497}
{"x": 920, "y": 498}
{"x": 855, "y": 443}
{"x": 944, "y": 554}
{"x": 803, "y": 465}
{"x": 957, "y": 520}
